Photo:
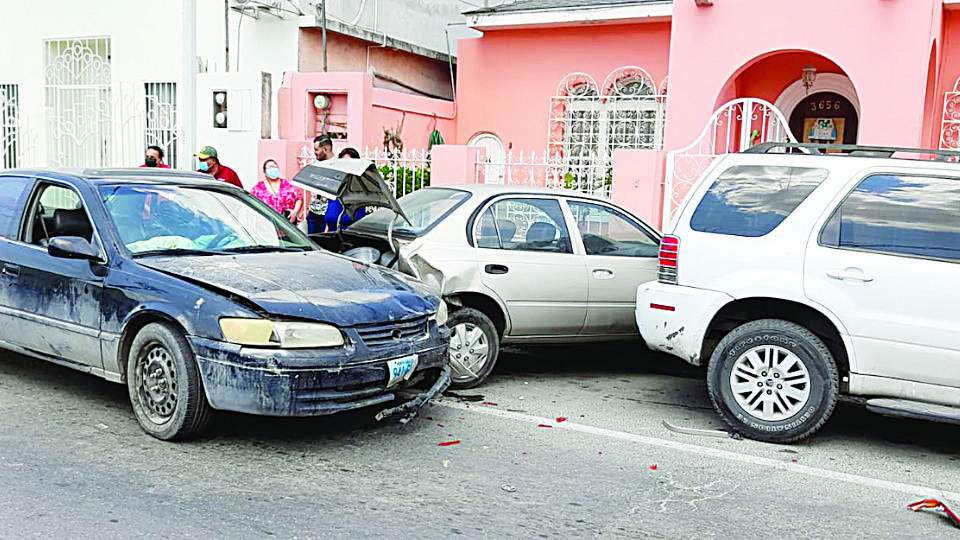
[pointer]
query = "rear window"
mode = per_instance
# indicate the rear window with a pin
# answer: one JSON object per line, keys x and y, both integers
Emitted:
{"x": 752, "y": 200}
{"x": 425, "y": 208}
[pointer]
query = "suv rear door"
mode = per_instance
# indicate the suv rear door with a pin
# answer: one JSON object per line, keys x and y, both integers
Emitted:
{"x": 886, "y": 264}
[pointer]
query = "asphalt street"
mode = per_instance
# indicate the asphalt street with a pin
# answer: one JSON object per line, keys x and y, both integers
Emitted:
{"x": 562, "y": 442}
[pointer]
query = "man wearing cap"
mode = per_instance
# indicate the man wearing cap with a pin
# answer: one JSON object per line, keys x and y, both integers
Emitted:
{"x": 210, "y": 164}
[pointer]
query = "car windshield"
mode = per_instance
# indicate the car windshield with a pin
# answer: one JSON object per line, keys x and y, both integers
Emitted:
{"x": 425, "y": 208}
{"x": 171, "y": 220}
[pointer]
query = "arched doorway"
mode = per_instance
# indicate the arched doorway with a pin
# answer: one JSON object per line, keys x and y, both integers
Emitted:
{"x": 825, "y": 117}
{"x": 495, "y": 156}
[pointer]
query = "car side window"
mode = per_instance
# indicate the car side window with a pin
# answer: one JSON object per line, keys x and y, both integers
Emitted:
{"x": 752, "y": 200}
{"x": 56, "y": 211}
{"x": 904, "y": 215}
{"x": 12, "y": 189}
{"x": 524, "y": 225}
{"x": 607, "y": 232}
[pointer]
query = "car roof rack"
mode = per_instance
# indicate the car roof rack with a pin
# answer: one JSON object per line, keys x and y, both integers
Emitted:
{"x": 850, "y": 150}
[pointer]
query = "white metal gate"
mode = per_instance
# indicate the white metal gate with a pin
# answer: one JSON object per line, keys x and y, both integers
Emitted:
{"x": 78, "y": 98}
{"x": 950, "y": 128}
{"x": 735, "y": 126}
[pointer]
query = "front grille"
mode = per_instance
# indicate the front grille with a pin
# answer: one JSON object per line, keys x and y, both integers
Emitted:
{"x": 379, "y": 334}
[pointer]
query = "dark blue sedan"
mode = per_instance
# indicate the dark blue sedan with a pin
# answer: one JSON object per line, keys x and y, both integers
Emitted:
{"x": 199, "y": 296}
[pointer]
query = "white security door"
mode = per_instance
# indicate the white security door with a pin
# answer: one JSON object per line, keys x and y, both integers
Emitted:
{"x": 495, "y": 157}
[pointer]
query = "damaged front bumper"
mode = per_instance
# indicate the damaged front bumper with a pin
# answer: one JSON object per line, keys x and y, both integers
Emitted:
{"x": 314, "y": 382}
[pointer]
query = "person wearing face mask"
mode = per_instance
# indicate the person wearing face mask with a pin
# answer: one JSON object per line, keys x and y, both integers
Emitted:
{"x": 280, "y": 194}
{"x": 153, "y": 157}
{"x": 210, "y": 164}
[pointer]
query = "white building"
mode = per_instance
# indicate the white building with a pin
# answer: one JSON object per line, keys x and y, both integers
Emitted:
{"x": 92, "y": 83}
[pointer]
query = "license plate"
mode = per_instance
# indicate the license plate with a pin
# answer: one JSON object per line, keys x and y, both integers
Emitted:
{"x": 401, "y": 368}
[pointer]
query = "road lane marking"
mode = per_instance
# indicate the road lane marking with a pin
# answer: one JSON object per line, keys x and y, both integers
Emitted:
{"x": 920, "y": 491}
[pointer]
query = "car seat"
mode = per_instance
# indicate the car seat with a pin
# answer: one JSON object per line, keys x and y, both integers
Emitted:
{"x": 72, "y": 223}
{"x": 541, "y": 232}
{"x": 507, "y": 230}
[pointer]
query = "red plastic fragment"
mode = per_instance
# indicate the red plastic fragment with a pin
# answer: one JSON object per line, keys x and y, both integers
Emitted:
{"x": 449, "y": 443}
{"x": 653, "y": 467}
{"x": 439, "y": 425}
{"x": 561, "y": 419}
{"x": 490, "y": 403}
{"x": 935, "y": 505}
{"x": 544, "y": 425}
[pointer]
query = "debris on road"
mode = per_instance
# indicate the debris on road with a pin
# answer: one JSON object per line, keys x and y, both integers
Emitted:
{"x": 449, "y": 443}
{"x": 492, "y": 404}
{"x": 561, "y": 419}
{"x": 936, "y": 506}
{"x": 694, "y": 431}
{"x": 544, "y": 425}
{"x": 508, "y": 488}
{"x": 653, "y": 467}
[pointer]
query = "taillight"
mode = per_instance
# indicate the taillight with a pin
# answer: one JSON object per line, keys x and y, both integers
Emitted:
{"x": 669, "y": 251}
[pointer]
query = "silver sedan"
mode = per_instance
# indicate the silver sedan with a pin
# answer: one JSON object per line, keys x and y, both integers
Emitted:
{"x": 514, "y": 264}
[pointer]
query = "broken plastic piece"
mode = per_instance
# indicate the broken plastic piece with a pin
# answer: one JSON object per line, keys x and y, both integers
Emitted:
{"x": 653, "y": 467}
{"x": 544, "y": 425}
{"x": 508, "y": 488}
{"x": 449, "y": 443}
{"x": 936, "y": 505}
{"x": 561, "y": 419}
{"x": 490, "y": 403}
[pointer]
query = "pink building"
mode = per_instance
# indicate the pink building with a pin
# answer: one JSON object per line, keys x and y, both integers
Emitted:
{"x": 641, "y": 86}
{"x": 633, "y": 99}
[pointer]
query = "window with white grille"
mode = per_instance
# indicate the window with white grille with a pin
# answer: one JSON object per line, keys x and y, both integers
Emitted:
{"x": 588, "y": 122}
{"x": 78, "y": 98}
{"x": 160, "y": 127}
{"x": 9, "y": 126}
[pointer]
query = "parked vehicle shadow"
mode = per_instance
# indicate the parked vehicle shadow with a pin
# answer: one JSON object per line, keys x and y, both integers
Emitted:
{"x": 627, "y": 357}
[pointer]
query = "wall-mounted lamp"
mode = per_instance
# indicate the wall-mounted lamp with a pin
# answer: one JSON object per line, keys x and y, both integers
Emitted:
{"x": 809, "y": 74}
{"x": 703, "y": 3}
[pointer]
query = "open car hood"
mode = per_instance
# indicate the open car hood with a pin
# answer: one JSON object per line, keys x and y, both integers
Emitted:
{"x": 356, "y": 182}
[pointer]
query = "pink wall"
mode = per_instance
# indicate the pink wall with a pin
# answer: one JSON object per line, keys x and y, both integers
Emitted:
{"x": 506, "y": 78}
{"x": 365, "y": 110}
{"x": 885, "y": 54}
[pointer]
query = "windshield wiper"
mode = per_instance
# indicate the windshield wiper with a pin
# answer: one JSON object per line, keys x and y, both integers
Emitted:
{"x": 176, "y": 251}
{"x": 264, "y": 249}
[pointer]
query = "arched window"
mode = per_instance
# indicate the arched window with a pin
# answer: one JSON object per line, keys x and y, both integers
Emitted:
{"x": 588, "y": 122}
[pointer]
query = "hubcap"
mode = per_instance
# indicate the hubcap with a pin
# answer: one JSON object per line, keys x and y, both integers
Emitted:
{"x": 156, "y": 384}
{"x": 770, "y": 383}
{"x": 469, "y": 351}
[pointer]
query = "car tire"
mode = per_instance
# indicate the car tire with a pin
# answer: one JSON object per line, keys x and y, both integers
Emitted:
{"x": 773, "y": 380}
{"x": 474, "y": 347}
{"x": 164, "y": 384}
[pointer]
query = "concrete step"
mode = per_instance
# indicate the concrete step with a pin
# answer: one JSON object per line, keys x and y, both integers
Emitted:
{"x": 914, "y": 409}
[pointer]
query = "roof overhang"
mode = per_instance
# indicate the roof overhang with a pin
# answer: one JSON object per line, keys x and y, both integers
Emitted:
{"x": 587, "y": 15}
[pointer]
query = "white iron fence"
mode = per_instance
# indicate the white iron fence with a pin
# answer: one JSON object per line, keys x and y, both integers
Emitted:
{"x": 128, "y": 118}
{"x": 543, "y": 169}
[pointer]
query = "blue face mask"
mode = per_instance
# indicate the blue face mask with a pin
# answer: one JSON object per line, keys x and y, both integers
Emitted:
{"x": 273, "y": 173}
{"x": 204, "y": 166}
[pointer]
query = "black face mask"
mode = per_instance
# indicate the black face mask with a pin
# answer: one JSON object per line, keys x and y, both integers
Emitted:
{"x": 150, "y": 162}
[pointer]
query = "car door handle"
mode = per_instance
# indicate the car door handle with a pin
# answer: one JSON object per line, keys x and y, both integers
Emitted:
{"x": 495, "y": 269}
{"x": 602, "y": 273}
{"x": 11, "y": 270}
{"x": 849, "y": 273}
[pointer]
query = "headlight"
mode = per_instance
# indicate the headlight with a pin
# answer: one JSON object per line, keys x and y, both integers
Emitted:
{"x": 442, "y": 313}
{"x": 290, "y": 335}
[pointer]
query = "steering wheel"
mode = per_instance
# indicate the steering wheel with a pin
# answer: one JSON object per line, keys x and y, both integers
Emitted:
{"x": 220, "y": 238}
{"x": 595, "y": 244}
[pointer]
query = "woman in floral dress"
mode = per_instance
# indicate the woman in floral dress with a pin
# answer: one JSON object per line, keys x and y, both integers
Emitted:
{"x": 278, "y": 193}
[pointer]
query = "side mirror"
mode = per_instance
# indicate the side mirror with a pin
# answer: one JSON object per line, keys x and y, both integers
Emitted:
{"x": 72, "y": 247}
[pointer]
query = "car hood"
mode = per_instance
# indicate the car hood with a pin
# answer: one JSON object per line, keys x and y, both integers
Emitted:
{"x": 313, "y": 285}
{"x": 355, "y": 182}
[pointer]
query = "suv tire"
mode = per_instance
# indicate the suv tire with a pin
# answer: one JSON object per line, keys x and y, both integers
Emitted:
{"x": 773, "y": 380}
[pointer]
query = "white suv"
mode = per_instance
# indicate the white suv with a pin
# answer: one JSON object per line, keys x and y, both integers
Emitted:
{"x": 803, "y": 276}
